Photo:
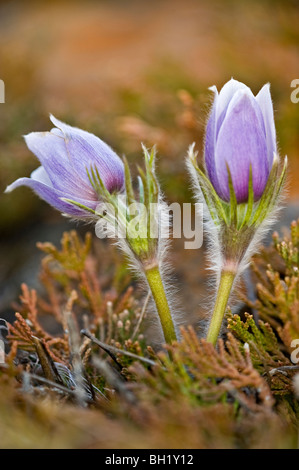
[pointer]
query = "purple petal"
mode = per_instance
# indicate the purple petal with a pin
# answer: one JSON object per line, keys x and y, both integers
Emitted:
{"x": 51, "y": 151}
{"x": 239, "y": 95}
{"x": 242, "y": 142}
{"x": 210, "y": 143}
{"x": 264, "y": 100}
{"x": 41, "y": 175}
{"x": 38, "y": 182}
{"x": 86, "y": 149}
{"x": 226, "y": 94}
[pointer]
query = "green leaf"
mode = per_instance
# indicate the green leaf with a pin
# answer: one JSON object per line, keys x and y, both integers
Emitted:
{"x": 141, "y": 190}
{"x": 98, "y": 179}
{"x": 250, "y": 200}
{"x": 269, "y": 194}
{"x": 128, "y": 183}
{"x": 75, "y": 203}
{"x": 209, "y": 192}
{"x": 282, "y": 176}
{"x": 232, "y": 199}
{"x": 152, "y": 184}
{"x": 145, "y": 186}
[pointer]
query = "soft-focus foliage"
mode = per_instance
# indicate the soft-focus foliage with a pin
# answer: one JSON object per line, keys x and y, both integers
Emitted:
{"x": 64, "y": 388}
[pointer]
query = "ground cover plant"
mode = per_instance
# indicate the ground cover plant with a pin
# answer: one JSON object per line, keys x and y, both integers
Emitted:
{"x": 124, "y": 359}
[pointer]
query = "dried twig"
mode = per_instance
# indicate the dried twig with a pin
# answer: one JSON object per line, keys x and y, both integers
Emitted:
{"x": 74, "y": 343}
{"x": 282, "y": 369}
{"x": 114, "y": 380}
{"x": 140, "y": 319}
{"x": 112, "y": 349}
{"x": 50, "y": 383}
{"x": 46, "y": 361}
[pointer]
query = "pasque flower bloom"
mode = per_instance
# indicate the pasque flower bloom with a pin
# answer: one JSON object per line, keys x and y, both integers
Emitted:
{"x": 67, "y": 156}
{"x": 242, "y": 166}
{"x": 82, "y": 177}
{"x": 240, "y": 132}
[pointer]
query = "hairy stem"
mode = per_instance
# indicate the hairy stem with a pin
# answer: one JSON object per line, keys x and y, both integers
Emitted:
{"x": 156, "y": 286}
{"x": 224, "y": 290}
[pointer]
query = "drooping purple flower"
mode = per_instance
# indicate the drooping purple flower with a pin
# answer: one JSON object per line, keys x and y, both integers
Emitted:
{"x": 240, "y": 132}
{"x": 66, "y": 155}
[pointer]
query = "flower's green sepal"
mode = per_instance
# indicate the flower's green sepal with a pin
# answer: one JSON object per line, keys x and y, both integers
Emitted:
{"x": 238, "y": 222}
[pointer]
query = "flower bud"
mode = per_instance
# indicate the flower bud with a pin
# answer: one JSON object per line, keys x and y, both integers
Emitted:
{"x": 240, "y": 134}
{"x": 68, "y": 155}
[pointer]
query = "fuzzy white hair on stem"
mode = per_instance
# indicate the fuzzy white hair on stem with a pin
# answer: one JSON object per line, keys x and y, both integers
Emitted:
{"x": 234, "y": 236}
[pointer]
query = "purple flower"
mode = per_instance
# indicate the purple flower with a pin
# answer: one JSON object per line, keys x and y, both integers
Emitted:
{"x": 66, "y": 155}
{"x": 240, "y": 132}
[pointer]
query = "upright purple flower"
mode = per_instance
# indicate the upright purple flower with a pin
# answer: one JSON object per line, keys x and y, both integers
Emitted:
{"x": 242, "y": 166}
{"x": 240, "y": 133}
{"x": 68, "y": 157}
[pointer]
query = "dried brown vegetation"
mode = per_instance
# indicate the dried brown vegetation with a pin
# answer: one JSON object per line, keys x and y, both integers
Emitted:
{"x": 95, "y": 381}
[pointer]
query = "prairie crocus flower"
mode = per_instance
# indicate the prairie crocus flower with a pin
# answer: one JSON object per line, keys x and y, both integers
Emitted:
{"x": 240, "y": 133}
{"x": 82, "y": 177}
{"x": 241, "y": 184}
{"x": 69, "y": 158}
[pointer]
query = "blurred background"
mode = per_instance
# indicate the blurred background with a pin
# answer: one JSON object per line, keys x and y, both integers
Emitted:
{"x": 132, "y": 71}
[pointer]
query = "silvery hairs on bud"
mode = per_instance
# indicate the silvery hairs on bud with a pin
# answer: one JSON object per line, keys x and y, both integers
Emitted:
{"x": 241, "y": 182}
{"x": 145, "y": 246}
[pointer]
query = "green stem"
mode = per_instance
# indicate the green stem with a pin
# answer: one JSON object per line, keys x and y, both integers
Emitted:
{"x": 225, "y": 287}
{"x": 156, "y": 286}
